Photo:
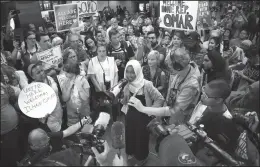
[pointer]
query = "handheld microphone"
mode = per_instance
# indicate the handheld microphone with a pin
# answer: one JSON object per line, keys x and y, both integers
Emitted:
{"x": 103, "y": 119}
{"x": 118, "y": 136}
{"x": 37, "y": 156}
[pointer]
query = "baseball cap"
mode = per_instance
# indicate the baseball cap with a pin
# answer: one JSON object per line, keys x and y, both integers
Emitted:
{"x": 194, "y": 36}
{"x": 31, "y": 66}
{"x": 174, "y": 151}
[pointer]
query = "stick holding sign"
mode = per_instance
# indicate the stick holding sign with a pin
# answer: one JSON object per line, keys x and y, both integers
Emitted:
{"x": 180, "y": 15}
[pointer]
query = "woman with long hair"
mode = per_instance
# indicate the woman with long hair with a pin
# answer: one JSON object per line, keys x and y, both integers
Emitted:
{"x": 91, "y": 45}
{"x": 215, "y": 67}
{"x": 136, "y": 132}
{"x": 75, "y": 88}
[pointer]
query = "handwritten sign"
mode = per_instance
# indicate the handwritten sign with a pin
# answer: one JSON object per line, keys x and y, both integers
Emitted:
{"x": 50, "y": 57}
{"x": 66, "y": 16}
{"x": 203, "y": 8}
{"x": 37, "y": 100}
{"x": 87, "y": 7}
{"x": 180, "y": 15}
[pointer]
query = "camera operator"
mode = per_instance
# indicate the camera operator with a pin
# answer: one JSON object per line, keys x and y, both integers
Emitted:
{"x": 216, "y": 118}
{"x": 39, "y": 139}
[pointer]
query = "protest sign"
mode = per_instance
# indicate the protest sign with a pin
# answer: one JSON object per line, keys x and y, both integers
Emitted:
{"x": 179, "y": 15}
{"x": 66, "y": 16}
{"x": 87, "y": 8}
{"x": 51, "y": 57}
{"x": 203, "y": 8}
{"x": 37, "y": 100}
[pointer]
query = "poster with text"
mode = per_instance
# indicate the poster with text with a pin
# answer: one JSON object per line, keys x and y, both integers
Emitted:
{"x": 179, "y": 15}
{"x": 66, "y": 16}
{"x": 50, "y": 58}
{"x": 87, "y": 8}
{"x": 37, "y": 99}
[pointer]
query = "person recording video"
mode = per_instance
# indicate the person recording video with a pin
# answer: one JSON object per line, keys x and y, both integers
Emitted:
{"x": 42, "y": 142}
{"x": 216, "y": 118}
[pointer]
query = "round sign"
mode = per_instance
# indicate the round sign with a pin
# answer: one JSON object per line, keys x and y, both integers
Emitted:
{"x": 37, "y": 100}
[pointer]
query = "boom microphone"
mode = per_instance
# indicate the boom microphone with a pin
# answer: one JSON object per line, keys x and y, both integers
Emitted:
{"x": 118, "y": 136}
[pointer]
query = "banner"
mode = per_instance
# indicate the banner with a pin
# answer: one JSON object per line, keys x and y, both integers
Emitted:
{"x": 87, "y": 8}
{"x": 37, "y": 100}
{"x": 179, "y": 15}
{"x": 66, "y": 16}
{"x": 51, "y": 57}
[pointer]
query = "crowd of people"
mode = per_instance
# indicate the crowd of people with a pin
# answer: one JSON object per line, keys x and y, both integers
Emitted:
{"x": 171, "y": 74}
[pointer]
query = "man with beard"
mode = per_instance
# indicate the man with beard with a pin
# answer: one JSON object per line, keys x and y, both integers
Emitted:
{"x": 192, "y": 43}
{"x": 153, "y": 44}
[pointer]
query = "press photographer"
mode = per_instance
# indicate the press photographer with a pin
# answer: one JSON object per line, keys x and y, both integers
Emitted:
{"x": 41, "y": 143}
{"x": 214, "y": 115}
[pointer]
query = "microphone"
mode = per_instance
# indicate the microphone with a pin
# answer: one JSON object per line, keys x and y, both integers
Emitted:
{"x": 103, "y": 119}
{"x": 118, "y": 136}
{"x": 37, "y": 156}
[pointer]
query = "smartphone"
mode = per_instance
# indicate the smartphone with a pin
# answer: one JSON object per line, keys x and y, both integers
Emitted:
{"x": 225, "y": 45}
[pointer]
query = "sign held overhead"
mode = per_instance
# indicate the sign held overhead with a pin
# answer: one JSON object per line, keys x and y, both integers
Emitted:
{"x": 66, "y": 16}
{"x": 180, "y": 15}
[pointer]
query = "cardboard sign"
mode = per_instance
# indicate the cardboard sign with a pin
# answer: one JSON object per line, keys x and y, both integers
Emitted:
{"x": 66, "y": 16}
{"x": 179, "y": 15}
{"x": 51, "y": 57}
{"x": 203, "y": 8}
{"x": 87, "y": 8}
{"x": 37, "y": 100}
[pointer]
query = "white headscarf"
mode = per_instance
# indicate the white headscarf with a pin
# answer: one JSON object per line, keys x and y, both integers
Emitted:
{"x": 138, "y": 83}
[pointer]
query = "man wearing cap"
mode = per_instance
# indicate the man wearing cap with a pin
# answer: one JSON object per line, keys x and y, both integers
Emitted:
{"x": 54, "y": 120}
{"x": 192, "y": 43}
{"x": 88, "y": 26}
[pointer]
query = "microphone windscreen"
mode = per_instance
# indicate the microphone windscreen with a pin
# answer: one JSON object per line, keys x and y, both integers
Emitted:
{"x": 118, "y": 135}
{"x": 174, "y": 151}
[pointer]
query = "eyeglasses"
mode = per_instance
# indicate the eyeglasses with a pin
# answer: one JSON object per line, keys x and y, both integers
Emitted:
{"x": 31, "y": 39}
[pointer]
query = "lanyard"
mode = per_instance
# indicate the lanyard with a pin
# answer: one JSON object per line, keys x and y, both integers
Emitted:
{"x": 104, "y": 74}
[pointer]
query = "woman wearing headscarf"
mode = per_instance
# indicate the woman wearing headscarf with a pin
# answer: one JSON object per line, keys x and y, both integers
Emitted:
{"x": 137, "y": 135}
{"x": 215, "y": 67}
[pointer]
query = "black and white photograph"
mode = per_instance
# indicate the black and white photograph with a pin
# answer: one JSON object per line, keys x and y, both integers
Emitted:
{"x": 130, "y": 83}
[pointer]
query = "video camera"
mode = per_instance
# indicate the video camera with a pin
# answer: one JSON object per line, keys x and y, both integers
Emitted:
{"x": 191, "y": 134}
{"x": 94, "y": 139}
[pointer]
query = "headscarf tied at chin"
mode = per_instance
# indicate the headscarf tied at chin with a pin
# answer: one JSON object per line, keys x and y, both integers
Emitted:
{"x": 138, "y": 83}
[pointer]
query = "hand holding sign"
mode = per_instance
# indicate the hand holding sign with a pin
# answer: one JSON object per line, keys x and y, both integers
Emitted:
{"x": 37, "y": 100}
